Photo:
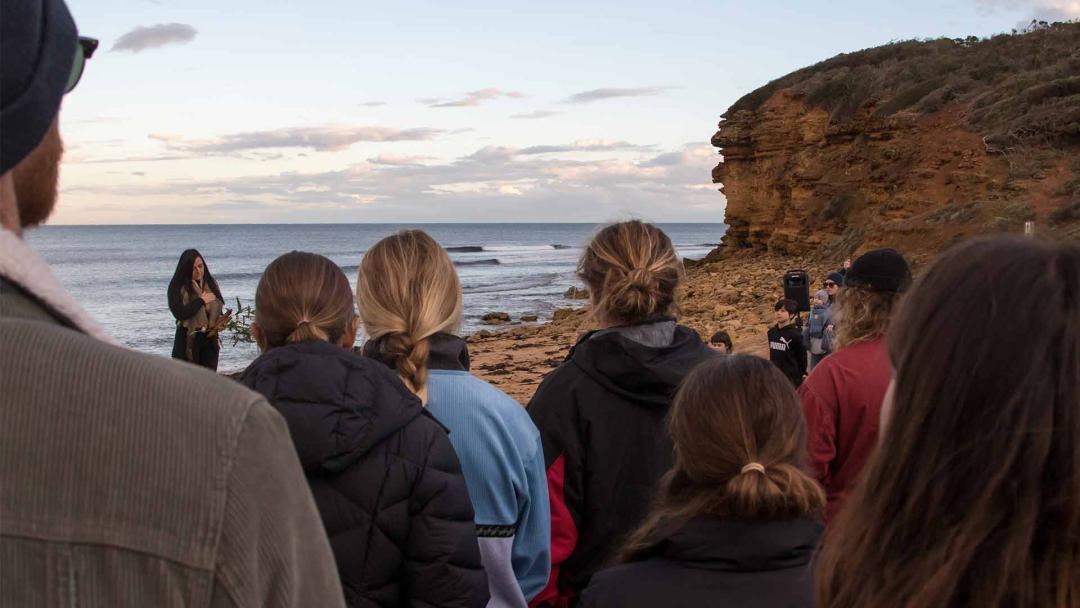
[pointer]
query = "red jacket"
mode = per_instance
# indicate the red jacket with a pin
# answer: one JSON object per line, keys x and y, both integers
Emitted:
{"x": 842, "y": 402}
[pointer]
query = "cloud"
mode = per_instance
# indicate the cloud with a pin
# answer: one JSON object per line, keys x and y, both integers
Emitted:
{"x": 612, "y": 93}
{"x": 322, "y": 139}
{"x": 163, "y": 34}
{"x": 1042, "y": 10}
{"x": 535, "y": 115}
{"x": 490, "y": 184}
{"x": 373, "y": 104}
{"x": 393, "y": 160}
{"x": 472, "y": 98}
{"x": 584, "y": 145}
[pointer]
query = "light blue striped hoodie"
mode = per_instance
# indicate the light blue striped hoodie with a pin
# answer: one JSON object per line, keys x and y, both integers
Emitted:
{"x": 500, "y": 453}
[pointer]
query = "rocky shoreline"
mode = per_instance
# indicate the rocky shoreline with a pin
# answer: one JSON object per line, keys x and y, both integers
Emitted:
{"x": 735, "y": 293}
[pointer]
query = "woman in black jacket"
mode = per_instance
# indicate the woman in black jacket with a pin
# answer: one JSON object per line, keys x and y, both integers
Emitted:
{"x": 195, "y": 301}
{"x": 601, "y": 413}
{"x": 738, "y": 517}
{"x": 384, "y": 475}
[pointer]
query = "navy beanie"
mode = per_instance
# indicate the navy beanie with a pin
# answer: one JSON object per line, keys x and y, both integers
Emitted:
{"x": 836, "y": 277}
{"x": 38, "y": 41}
{"x": 880, "y": 270}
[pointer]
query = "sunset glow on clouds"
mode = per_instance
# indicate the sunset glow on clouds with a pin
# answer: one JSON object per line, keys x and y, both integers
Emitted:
{"x": 244, "y": 111}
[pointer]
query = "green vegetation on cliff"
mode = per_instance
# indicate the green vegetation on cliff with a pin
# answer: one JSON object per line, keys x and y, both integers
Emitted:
{"x": 1016, "y": 86}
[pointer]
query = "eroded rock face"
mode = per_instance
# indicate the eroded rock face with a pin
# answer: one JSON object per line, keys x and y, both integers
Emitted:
{"x": 820, "y": 163}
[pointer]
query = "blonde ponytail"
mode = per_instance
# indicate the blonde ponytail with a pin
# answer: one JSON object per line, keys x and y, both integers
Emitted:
{"x": 407, "y": 291}
{"x": 632, "y": 271}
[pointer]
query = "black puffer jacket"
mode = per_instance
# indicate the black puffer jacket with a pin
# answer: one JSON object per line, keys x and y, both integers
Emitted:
{"x": 722, "y": 564}
{"x": 384, "y": 475}
{"x": 601, "y": 416}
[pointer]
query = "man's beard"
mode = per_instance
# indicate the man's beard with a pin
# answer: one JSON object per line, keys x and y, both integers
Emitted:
{"x": 35, "y": 179}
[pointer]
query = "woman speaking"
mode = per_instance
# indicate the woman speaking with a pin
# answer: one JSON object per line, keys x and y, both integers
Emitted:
{"x": 196, "y": 302}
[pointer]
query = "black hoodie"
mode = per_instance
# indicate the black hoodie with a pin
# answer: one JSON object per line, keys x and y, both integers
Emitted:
{"x": 719, "y": 563}
{"x": 384, "y": 475}
{"x": 601, "y": 416}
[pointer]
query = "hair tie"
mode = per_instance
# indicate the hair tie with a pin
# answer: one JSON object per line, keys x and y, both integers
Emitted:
{"x": 753, "y": 466}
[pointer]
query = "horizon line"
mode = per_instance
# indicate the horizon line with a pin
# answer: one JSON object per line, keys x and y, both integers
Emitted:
{"x": 411, "y": 223}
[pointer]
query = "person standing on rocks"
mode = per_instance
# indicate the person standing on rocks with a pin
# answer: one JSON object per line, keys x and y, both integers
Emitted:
{"x": 602, "y": 413}
{"x": 786, "y": 348}
{"x": 721, "y": 343}
{"x": 409, "y": 297}
{"x": 833, "y": 282}
{"x": 818, "y": 331}
{"x": 842, "y": 397}
{"x": 127, "y": 479}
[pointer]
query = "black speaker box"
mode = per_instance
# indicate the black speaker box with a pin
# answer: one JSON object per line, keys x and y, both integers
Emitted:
{"x": 797, "y": 287}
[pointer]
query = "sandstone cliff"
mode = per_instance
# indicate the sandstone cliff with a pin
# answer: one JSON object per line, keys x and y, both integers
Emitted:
{"x": 912, "y": 145}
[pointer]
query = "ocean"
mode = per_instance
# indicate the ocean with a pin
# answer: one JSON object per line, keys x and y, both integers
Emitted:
{"x": 120, "y": 273}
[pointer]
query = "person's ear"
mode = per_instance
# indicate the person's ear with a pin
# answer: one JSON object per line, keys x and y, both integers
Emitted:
{"x": 260, "y": 338}
{"x": 348, "y": 339}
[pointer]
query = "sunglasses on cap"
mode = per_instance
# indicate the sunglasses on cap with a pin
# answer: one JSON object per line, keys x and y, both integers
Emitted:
{"x": 83, "y": 51}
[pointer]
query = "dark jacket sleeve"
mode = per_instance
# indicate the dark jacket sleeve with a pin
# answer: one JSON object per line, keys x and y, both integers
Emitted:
{"x": 442, "y": 555}
{"x": 182, "y": 311}
{"x": 553, "y": 409}
{"x": 798, "y": 350}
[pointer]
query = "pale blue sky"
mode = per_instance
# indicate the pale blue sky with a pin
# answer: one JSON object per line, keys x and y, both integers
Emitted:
{"x": 268, "y": 114}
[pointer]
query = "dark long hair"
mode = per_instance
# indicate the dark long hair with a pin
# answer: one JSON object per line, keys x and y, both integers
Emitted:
{"x": 730, "y": 412}
{"x": 973, "y": 496}
{"x": 182, "y": 277}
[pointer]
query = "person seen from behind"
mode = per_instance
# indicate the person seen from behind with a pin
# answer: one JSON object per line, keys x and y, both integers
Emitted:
{"x": 196, "y": 302}
{"x": 818, "y": 332}
{"x": 601, "y": 414}
{"x": 973, "y": 496}
{"x": 842, "y": 397}
{"x": 738, "y": 517}
{"x": 128, "y": 479}
{"x": 786, "y": 348}
{"x": 721, "y": 343}
{"x": 410, "y": 304}
{"x": 383, "y": 472}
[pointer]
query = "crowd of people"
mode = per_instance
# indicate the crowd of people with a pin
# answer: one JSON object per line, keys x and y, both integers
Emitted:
{"x": 925, "y": 461}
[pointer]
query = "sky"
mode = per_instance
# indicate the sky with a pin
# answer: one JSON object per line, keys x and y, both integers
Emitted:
{"x": 275, "y": 111}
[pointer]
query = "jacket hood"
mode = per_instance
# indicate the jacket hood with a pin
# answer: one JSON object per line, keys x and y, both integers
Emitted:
{"x": 639, "y": 373}
{"x": 338, "y": 405}
{"x": 741, "y": 546}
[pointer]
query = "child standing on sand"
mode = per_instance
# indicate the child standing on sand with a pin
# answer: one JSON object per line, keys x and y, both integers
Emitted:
{"x": 786, "y": 349}
{"x": 410, "y": 304}
{"x": 602, "y": 412}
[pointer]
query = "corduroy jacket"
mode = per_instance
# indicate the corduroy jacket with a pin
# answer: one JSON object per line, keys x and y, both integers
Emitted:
{"x": 133, "y": 480}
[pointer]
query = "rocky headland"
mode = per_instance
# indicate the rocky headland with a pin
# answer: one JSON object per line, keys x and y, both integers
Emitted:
{"x": 914, "y": 145}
